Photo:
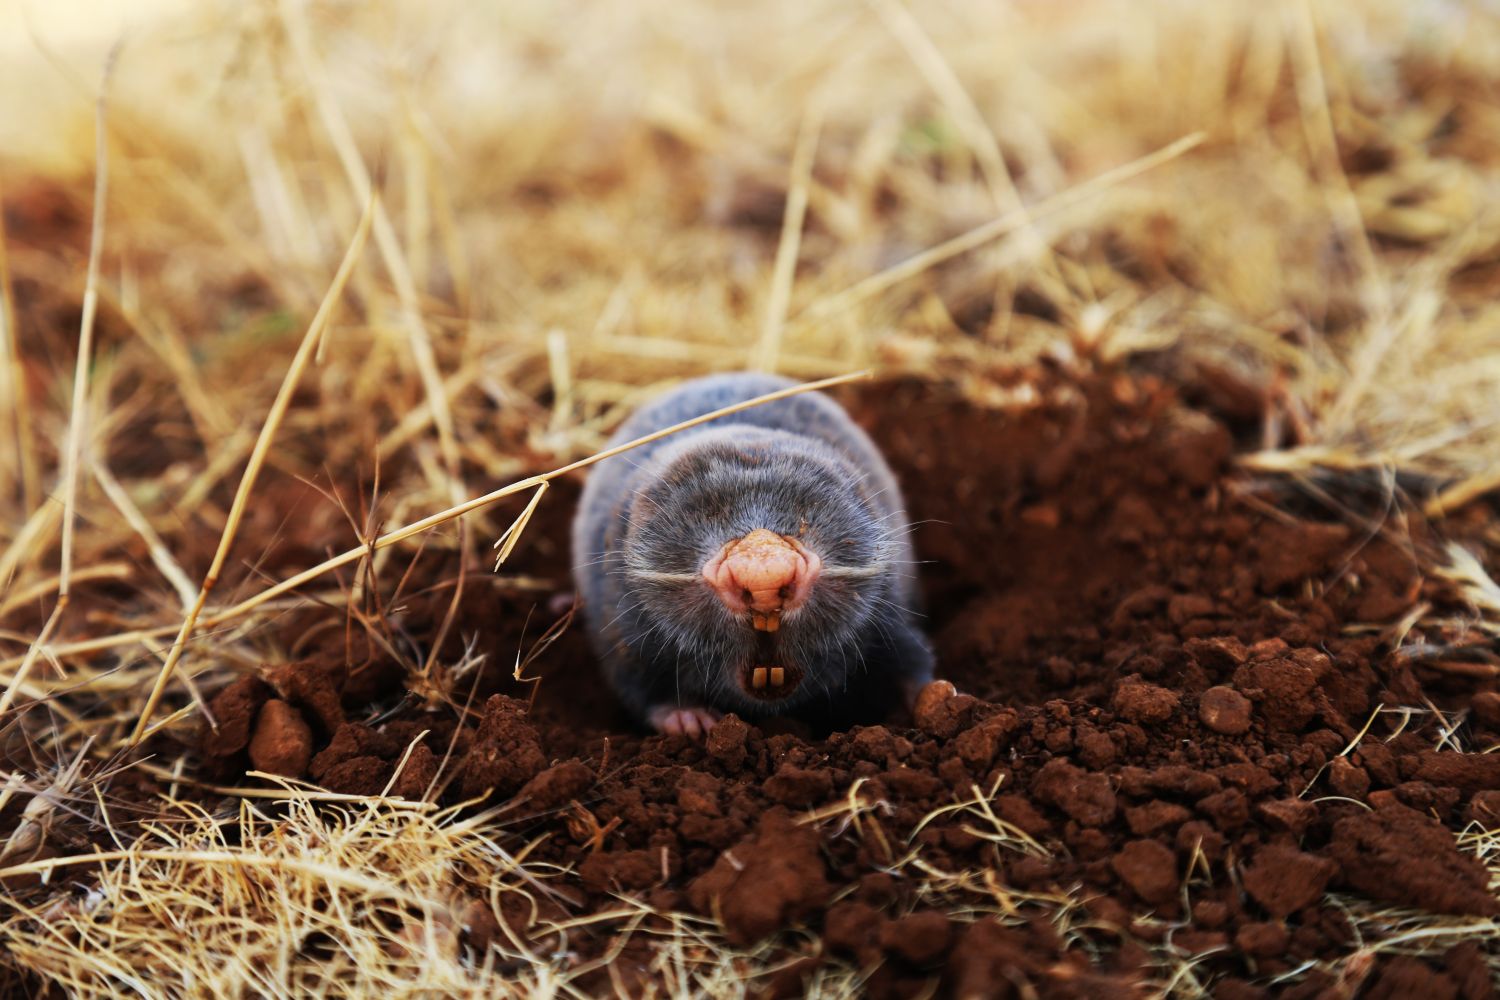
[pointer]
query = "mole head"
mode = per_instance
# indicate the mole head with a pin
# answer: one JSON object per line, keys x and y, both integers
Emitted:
{"x": 756, "y": 565}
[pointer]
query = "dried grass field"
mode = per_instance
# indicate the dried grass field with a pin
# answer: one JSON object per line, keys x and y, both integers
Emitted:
{"x": 1179, "y": 323}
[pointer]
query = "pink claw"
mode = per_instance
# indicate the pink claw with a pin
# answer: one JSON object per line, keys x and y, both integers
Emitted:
{"x": 764, "y": 574}
{"x": 693, "y": 723}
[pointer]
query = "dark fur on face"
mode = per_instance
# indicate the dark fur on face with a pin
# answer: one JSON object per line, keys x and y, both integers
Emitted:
{"x": 798, "y": 467}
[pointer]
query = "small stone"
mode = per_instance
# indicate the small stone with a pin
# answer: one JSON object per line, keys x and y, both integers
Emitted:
{"x": 1225, "y": 710}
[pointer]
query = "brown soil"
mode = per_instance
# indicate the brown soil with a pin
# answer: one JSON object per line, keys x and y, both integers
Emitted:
{"x": 1163, "y": 706}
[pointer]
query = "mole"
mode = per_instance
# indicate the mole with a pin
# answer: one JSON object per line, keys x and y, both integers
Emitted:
{"x": 759, "y": 563}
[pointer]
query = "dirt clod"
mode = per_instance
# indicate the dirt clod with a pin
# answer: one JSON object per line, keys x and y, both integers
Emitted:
{"x": 766, "y": 881}
{"x": 282, "y": 743}
{"x": 505, "y": 754}
{"x": 234, "y": 709}
{"x": 1283, "y": 879}
{"x": 1149, "y": 868}
{"x": 1399, "y": 855}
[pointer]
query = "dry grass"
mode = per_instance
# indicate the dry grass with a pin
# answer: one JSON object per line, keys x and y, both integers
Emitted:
{"x": 1292, "y": 201}
{"x": 309, "y": 898}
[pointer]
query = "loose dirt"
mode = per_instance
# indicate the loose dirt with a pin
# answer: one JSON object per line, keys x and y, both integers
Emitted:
{"x": 1162, "y": 742}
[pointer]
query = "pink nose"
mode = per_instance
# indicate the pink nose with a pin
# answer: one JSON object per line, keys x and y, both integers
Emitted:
{"x": 765, "y": 574}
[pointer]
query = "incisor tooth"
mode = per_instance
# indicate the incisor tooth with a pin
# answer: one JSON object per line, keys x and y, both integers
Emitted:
{"x": 758, "y": 677}
{"x": 778, "y": 676}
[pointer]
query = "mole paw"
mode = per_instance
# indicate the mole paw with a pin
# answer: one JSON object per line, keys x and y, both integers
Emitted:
{"x": 691, "y": 722}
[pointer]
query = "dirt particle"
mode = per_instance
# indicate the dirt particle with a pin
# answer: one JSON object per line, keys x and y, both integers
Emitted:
{"x": 1292, "y": 815}
{"x": 1195, "y": 447}
{"x": 1283, "y": 879}
{"x": 1095, "y": 749}
{"x": 944, "y": 717}
{"x": 1219, "y": 655}
{"x": 979, "y": 744}
{"x": 234, "y": 709}
{"x": 632, "y": 871}
{"x": 480, "y": 927}
{"x": 989, "y": 954}
{"x": 1467, "y": 772}
{"x": 1144, "y": 703}
{"x": 1284, "y": 690}
{"x": 282, "y": 743}
{"x": 1229, "y": 809}
{"x": 798, "y": 786}
{"x": 1183, "y": 608}
{"x": 1262, "y": 940}
{"x": 726, "y": 742}
{"x": 853, "y": 927}
{"x": 1484, "y": 810}
{"x": 417, "y": 774}
{"x": 1486, "y": 708}
{"x": 765, "y": 882}
{"x": 1290, "y": 553}
{"x": 1403, "y": 976}
{"x": 1347, "y": 780}
{"x": 919, "y": 938}
{"x": 505, "y": 753}
{"x": 1154, "y": 816}
{"x": 1086, "y": 797}
{"x": 1224, "y": 710}
{"x": 557, "y": 785}
{"x": 1149, "y": 868}
{"x": 315, "y": 687}
{"x": 1401, "y": 856}
{"x": 1174, "y": 779}
{"x": 354, "y": 762}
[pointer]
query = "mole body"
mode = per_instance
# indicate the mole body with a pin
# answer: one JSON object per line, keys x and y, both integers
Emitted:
{"x": 758, "y": 563}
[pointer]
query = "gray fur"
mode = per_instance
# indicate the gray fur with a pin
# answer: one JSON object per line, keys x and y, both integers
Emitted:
{"x": 651, "y": 517}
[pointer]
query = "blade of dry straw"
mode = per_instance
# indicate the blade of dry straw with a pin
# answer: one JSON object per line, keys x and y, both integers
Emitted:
{"x": 79, "y": 410}
{"x": 238, "y": 859}
{"x": 506, "y": 543}
{"x": 1343, "y": 206}
{"x": 155, "y": 547}
{"x": 257, "y": 459}
{"x": 25, "y": 595}
{"x": 938, "y": 72}
{"x": 785, "y": 267}
{"x": 994, "y": 229}
{"x": 13, "y": 382}
{"x": 294, "y": 17}
{"x": 433, "y": 520}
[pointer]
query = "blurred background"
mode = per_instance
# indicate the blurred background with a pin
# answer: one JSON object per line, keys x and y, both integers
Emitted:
{"x": 614, "y": 193}
{"x": 1288, "y": 210}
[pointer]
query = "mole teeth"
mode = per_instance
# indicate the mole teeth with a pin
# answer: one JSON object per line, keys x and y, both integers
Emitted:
{"x": 778, "y": 676}
{"x": 765, "y": 621}
{"x": 758, "y": 677}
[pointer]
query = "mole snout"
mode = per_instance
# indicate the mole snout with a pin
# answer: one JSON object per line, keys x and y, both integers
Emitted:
{"x": 763, "y": 574}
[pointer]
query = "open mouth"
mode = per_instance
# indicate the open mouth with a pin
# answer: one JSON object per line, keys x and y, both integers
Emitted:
{"x": 770, "y": 683}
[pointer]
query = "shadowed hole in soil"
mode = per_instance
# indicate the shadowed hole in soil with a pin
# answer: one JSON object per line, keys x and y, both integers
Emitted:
{"x": 1162, "y": 677}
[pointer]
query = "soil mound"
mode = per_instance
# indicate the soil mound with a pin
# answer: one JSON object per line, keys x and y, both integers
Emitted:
{"x": 1167, "y": 674}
